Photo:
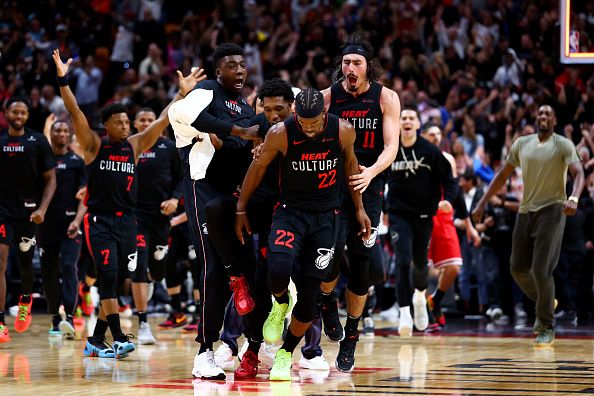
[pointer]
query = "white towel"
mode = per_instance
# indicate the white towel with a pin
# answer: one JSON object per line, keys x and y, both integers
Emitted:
{"x": 181, "y": 115}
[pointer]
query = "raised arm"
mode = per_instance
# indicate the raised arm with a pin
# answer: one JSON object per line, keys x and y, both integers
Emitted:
{"x": 274, "y": 143}
{"x": 351, "y": 167}
{"x": 390, "y": 104}
{"x": 86, "y": 137}
{"x": 146, "y": 139}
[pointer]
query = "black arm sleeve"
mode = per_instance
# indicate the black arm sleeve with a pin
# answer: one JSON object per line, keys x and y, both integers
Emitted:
{"x": 447, "y": 180}
{"x": 460, "y": 205}
{"x": 206, "y": 122}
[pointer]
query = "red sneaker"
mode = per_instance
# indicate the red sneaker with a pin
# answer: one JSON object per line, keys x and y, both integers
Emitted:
{"x": 244, "y": 303}
{"x": 191, "y": 327}
{"x": 4, "y": 337}
{"x": 175, "y": 319}
{"x": 23, "y": 319}
{"x": 248, "y": 368}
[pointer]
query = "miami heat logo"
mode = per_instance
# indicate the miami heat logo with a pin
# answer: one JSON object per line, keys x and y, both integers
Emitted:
{"x": 204, "y": 229}
{"x": 324, "y": 258}
{"x": 371, "y": 240}
{"x": 132, "y": 261}
{"x": 27, "y": 243}
{"x": 160, "y": 252}
{"x": 191, "y": 252}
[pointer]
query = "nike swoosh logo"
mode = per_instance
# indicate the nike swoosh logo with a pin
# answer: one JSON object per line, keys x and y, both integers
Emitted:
{"x": 327, "y": 140}
{"x": 179, "y": 320}
{"x": 341, "y": 100}
{"x": 298, "y": 142}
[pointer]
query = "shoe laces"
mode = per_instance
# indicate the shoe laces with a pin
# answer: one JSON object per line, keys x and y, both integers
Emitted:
{"x": 250, "y": 359}
{"x": 348, "y": 345}
{"x": 282, "y": 360}
{"x": 210, "y": 359}
{"x": 23, "y": 312}
{"x": 276, "y": 315}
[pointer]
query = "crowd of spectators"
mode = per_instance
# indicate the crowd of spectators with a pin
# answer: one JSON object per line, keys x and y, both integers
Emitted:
{"x": 479, "y": 69}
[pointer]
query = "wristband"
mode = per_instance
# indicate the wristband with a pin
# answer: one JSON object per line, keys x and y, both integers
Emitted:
{"x": 573, "y": 199}
{"x": 240, "y": 213}
{"x": 62, "y": 81}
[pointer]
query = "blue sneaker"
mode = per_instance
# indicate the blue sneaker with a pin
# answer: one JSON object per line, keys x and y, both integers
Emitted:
{"x": 123, "y": 348}
{"x": 98, "y": 348}
{"x": 53, "y": 331}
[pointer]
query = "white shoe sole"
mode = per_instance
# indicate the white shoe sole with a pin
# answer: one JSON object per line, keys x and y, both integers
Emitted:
{"x": 67, "y": 330}
{"x": 421, "y": 319}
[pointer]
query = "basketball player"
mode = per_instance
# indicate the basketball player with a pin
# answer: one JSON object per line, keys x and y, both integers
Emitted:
{"x": 277, "y": 99}
{"x": 111, "y": 199}
{"x": 444, "y": 248}
{"x": 159, "y": 190}
{"x": 420, "y": 183}
{"x": 226, "y": 115}
{"x": 59, "y": 235}
{"x": 544, "y": 159}
{"x": 317, "y": 151}
{"x": 27, "y": 185}
{"x": 374, "y": 111}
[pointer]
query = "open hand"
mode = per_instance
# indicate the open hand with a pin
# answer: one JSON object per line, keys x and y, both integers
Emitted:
{"x": 61, "y": 67}
{"x": 187, "y": 83}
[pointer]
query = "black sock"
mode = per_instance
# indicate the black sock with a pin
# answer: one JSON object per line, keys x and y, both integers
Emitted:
{"x": 100, "y": 329}
{"x": 113, "y": 322}
{"x": 142, "y": 317}
{"x": 207, "y": 346}
{"x": 351, "y": 324}
{"x": 254, "y": 346}
{"x": 291, "y": 341}
{"x": 284, "y": 299}
{"x": 176, "y": 303}
{"x": 56, "y": 319}
{"x": 1, "y": 316}
{"x": 328, "y": 299}
{"x": 437, "y": 297}
{"x": 26, "y": 298}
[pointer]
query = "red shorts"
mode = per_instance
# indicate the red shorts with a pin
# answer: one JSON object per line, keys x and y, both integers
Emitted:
{"x": 444, "y": 248}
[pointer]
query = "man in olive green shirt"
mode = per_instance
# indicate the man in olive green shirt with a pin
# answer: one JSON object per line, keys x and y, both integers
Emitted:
{"x": 544, "y": 159}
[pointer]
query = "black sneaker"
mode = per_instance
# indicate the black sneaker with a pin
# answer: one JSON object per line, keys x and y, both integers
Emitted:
{"x": 345, "y": 361}
{"x": 332, "y": 326}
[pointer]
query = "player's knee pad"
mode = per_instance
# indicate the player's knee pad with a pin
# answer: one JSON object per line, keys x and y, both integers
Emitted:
{"x": 280, "y": 266}
{"x": 157, "y": 269}
{"x": 107, "y": 285}
{"x": 359, "y": 279}
{"x": 337, "y": 261}
{"x": 308, "y": 291}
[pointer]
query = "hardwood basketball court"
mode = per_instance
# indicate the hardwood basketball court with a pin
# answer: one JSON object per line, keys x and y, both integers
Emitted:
{"x": 471, "y": 359}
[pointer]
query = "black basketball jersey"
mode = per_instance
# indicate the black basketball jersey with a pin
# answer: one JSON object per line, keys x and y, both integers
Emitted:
{"x": 365, "y": 114}
{"x": 159, "y": 176}
{"x": 112, "y": 184}
{"x": 312, "y": 171}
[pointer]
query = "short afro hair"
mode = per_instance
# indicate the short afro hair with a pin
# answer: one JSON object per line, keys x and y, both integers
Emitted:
{"x": 225, "y": 49}
{"x": 18, "y": 99}
{"x": 111, "y": 109}
{"x": 276, "y": 87}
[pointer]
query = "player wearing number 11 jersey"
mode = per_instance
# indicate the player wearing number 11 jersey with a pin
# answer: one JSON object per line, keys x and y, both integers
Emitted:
{"x": 374, "y": 111}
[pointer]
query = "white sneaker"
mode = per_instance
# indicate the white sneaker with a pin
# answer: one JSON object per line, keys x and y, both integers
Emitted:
{"x": 67, "y": 329}
{"x": 224, "y": 357}
{"x": 406, "y": 322}
{"x": 243, "y": 349}
{"x": 145, "y": 336}
{"x": 420, "y": 304}
{"x": 494, "y": 313}
{"x": 317, "y": 363}
{"x": 206, "y": 368}
{"x": 391, "y": 315}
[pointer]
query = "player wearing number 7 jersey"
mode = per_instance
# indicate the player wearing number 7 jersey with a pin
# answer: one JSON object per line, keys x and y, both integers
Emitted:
{"x": 316, "y": 152}
{"x": 110, "y": 225}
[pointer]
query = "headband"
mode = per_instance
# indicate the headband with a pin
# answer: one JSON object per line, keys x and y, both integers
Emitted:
{"x": 356, "y": 49}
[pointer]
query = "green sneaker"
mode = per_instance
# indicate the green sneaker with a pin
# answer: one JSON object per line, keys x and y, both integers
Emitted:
{"x": 545, "y": 338}
{"x": 275, "y": 323}
{"x": 281, "y": 368}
